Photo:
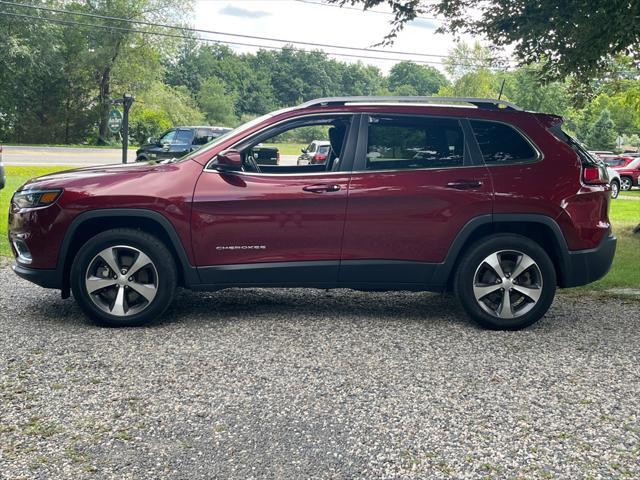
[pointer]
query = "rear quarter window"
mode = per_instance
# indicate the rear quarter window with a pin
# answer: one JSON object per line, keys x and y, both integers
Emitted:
{"x": 502, "y": 144}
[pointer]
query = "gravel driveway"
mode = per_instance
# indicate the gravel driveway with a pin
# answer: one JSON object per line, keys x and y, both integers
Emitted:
{"x": 309, "y": 384}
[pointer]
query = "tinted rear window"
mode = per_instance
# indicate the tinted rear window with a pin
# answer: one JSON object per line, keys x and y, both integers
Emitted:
{"x": 502, "y": 144}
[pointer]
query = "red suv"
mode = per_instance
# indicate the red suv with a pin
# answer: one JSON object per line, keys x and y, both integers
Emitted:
{"x": 471, "y": 195}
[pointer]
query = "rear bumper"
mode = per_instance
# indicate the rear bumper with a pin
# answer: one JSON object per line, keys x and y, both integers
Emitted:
{"x": 587, "y": 266}
{"x": 43, "y": 277}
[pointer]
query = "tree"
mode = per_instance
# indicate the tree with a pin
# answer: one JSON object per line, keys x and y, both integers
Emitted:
{"x": 423, "y": 80}
{"x": 570, "y": 37}
{"x": 602, "y": 134}
{"x": 217, "y": 103}
{"x": 161, "y": 107}
{"x": 464, "y": 59}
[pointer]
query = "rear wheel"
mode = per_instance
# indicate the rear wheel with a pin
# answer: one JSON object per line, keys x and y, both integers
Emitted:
{"x": 615, "y": 189}
{"x": 505, "y": 282}
{"x": 123, "y": 278}
{"x": 625, "y": 183}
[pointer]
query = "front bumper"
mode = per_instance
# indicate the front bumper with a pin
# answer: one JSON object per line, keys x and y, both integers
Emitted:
{"x": 44, "y": 277}
{"x": 587, "y": 266}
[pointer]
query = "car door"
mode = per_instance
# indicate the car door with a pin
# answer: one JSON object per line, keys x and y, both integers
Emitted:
{"x": 182, "y": 142}
{"x": 417, "y": 181}
{"x": 272, "y": 228}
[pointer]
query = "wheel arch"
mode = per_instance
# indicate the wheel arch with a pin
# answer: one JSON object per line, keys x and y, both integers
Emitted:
{"x": 90, "y": 223}
{"x": 540, "y": 228}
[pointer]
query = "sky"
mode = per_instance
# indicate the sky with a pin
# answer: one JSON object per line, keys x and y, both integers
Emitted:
{"x": 310, "y": 21}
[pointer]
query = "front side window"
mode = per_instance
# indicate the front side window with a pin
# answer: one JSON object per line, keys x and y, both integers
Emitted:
{"x": 501, "y": 144}
{"x": 414, "y": 142}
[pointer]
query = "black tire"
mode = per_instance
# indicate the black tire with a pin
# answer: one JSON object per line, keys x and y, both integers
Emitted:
{"x": 142, "y": 158}
{"x": 473, "y": 263}
{"x": 615, "y": 189}
{"x": 161, "y": 266}
{"x": 626, "y": 183}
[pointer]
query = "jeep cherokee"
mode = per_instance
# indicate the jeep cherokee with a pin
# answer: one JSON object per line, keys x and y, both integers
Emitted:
{"x": 417, "y": 193}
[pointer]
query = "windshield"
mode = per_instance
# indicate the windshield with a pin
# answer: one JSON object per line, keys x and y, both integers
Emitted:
{"x": 235, "y": 131}
{"x": 634, "y": 163}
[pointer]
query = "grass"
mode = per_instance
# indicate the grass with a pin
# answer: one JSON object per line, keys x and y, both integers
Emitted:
{"x": 624, "y": 215}
{"x": 635, "y": 192}
{"x": 288, "y": 148}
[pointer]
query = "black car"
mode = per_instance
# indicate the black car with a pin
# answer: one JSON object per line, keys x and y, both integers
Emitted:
{"x": 177, "y": 142}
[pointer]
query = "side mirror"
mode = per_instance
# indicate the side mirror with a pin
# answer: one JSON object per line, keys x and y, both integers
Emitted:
{"x": 228, "y": 161}
{"x": 153, "y": 140}
{"x": 303, "y": 150}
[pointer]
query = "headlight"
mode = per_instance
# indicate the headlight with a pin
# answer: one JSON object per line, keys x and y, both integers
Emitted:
{"x": 35, "y": 198}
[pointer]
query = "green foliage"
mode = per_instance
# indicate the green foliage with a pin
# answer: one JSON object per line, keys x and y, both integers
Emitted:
{"x": 303, "y": 135}
{"x": 574, "y": 37}
{"x": 217, "y": 103}
{"x": 408, "y": 78}
{"x": 160, "y": 108}
{"x": 602, "y": 134}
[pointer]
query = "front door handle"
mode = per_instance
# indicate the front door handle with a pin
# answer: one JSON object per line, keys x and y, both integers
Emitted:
{"x": 465, "y": 184}
{"x": 321, "y": 188}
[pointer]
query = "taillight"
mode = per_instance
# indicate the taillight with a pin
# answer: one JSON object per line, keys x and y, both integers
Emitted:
{"x": 319, "y": 158}
{"x": 593, "y": 175}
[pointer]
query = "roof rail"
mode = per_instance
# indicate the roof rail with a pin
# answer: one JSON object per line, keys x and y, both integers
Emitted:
{"x": 485, "y": 103}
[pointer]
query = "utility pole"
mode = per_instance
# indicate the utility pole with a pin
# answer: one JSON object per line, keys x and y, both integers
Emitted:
{"x": 126, "y": 101}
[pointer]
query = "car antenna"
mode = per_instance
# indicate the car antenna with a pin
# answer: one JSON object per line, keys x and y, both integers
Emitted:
{"x": 501, "y": 88}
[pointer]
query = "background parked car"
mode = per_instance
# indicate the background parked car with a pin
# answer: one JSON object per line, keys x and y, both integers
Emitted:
{"x": 315, "y": 154}
{"x": 629, "y": 174}
{"x": 2, "y": 176}
{"x": 616, "y": 161}
{"x": 178, "y": 141}
{"x": 264, "y": 155}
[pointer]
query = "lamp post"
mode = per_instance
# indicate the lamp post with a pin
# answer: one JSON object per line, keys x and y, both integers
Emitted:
{"x": 126, "y": 101}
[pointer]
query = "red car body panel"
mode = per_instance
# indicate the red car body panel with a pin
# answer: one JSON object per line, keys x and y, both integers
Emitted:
{"x": 388, "y": 211}
{"x": 270, "y": 211}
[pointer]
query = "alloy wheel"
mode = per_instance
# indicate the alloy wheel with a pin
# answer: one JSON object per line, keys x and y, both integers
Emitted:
{"x": 507, "y": 284}
{"x": 625, "y": 184}
{"x": 121, "y": 280}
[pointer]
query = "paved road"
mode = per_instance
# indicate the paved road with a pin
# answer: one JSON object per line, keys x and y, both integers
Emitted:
{"x": 77, "y": 157}
{"x": 67, "y": 156}
{"x": 308, "y": 384}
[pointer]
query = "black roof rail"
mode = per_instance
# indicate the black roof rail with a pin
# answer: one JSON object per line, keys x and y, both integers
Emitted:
{"x": 484, "y": 103}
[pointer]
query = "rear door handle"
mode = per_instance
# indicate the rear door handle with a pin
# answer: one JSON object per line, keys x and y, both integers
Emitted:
{"x": 465, "y": 184}
{"x": 321, "y": 188}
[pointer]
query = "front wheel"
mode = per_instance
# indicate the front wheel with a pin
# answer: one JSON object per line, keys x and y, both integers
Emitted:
{"x": 123, "y": 278}
{"x": 505, "y": 282}
{"x": 625, "y": 184}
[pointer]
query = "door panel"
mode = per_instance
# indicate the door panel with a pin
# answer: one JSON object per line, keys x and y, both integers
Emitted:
{"x": 245, "y": 218}
{"x": 412, "y": 215}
